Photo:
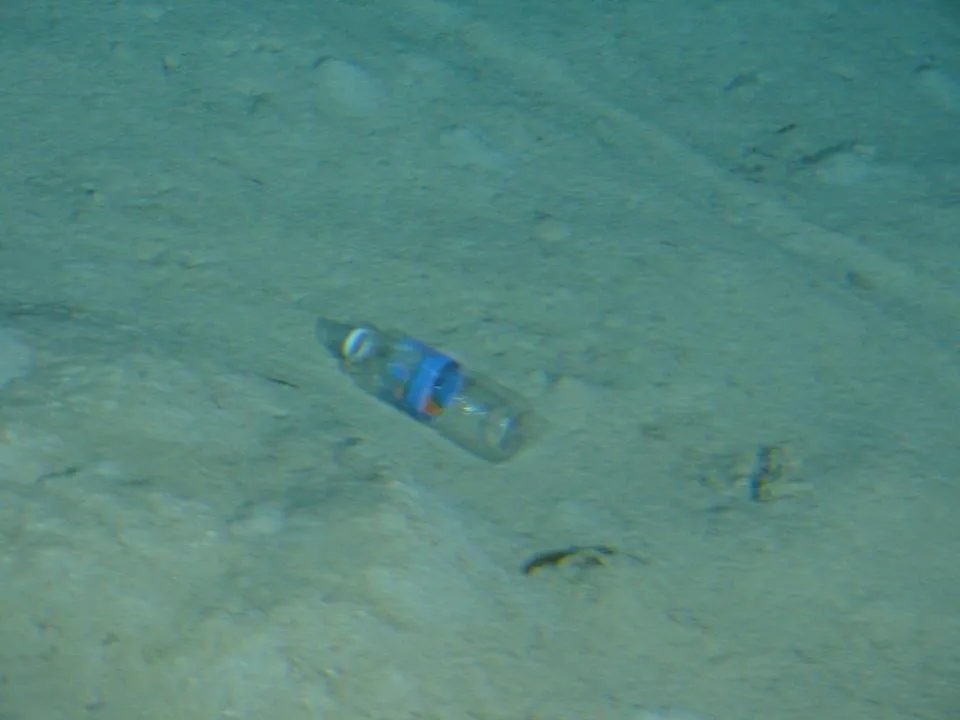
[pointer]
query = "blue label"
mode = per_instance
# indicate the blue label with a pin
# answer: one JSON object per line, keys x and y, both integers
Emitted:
{"x": 430, "y": 380}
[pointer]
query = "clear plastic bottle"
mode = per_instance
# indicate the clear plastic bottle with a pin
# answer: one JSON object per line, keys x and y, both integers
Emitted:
{"x": 474, "y": 412}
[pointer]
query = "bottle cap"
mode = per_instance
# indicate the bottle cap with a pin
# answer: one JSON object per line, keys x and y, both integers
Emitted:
{"x": 356, "y": 344}
{"x": 341, "y": 340}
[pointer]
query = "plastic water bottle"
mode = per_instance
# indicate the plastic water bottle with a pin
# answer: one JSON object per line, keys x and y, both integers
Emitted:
{"x": 474, "y": 412}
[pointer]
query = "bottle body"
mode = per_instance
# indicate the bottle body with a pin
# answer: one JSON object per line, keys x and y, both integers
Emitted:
{"x": 472, "y": 411}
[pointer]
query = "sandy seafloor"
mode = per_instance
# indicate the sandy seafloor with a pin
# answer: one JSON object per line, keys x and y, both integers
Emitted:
{"x": 684, "y": 230}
